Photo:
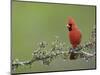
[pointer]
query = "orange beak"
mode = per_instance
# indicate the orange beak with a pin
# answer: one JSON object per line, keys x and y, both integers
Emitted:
{"x": 68, "y": 26}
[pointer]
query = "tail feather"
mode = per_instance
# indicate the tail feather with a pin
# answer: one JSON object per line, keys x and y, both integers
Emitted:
{"x": 73, "y": 56}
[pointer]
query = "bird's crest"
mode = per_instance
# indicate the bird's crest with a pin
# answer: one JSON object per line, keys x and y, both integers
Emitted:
{"x": 71, "y": 20}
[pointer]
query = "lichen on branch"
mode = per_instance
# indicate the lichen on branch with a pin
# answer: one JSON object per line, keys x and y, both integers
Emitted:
{"x": 58, "y": 48}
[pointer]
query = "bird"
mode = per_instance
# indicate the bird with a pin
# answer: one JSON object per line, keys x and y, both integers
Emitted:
{"x": 74, "y": 36}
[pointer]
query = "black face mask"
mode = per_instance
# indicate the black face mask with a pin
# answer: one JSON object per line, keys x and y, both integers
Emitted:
{"x": 70, "y": 28}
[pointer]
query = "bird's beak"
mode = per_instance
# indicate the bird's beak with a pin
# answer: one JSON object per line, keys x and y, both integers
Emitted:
{"x": 68, "y": 26}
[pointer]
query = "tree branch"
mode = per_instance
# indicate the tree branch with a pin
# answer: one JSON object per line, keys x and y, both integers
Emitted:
{"x": 58, "y": 48}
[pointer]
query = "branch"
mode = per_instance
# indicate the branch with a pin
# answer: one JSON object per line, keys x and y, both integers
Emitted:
{"x": 58, "y": 48}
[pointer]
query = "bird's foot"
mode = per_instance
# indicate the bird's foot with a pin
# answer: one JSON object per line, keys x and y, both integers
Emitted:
{"x": 74, "y": 50}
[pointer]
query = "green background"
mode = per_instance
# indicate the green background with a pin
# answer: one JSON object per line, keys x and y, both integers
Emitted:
{"x": 34, "y": 22}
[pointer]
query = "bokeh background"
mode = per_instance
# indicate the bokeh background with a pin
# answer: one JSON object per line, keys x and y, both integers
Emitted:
{"x": 33, "y": 22}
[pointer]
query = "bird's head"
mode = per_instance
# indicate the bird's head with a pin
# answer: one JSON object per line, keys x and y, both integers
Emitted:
{"x": 71, "y": 24}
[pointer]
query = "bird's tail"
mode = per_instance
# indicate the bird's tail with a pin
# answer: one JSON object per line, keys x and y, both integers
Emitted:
{"x": 73, "y": 56}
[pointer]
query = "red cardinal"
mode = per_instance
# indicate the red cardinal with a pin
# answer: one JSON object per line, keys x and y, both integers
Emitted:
{"x": 74, "y": 35}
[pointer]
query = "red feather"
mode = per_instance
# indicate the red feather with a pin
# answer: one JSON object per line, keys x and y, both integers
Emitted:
{"x": 74, "y": 35}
